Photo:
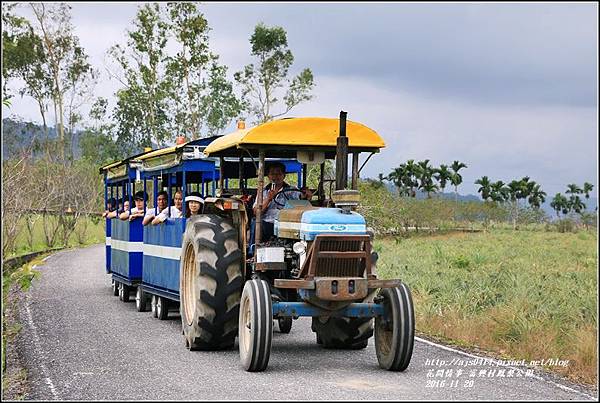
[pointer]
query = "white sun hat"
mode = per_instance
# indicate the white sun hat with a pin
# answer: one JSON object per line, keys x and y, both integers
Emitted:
{"x": 194, "y": 198}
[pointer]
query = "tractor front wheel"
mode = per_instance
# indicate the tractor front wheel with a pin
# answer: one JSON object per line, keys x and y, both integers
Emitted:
{"x": 395, "y": 331}
{"x": 255, "y": 325}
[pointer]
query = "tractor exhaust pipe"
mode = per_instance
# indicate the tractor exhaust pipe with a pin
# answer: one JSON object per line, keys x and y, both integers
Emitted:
{"x": 341, "y": 157}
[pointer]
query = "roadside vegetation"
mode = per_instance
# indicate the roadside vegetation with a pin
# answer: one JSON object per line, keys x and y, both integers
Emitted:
{"x": 521, "y": 294}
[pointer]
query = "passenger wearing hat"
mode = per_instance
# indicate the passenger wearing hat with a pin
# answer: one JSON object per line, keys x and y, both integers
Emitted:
{"x": 193, "y": 203}
{"x": 138, "y": 210}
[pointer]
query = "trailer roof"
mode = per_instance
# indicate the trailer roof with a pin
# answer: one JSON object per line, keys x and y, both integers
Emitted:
{"x": 284, "y": 135}
{"x": 173, "y": 149}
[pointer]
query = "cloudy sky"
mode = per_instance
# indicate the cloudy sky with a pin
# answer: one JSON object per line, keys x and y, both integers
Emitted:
{"x": 510, "y": 89}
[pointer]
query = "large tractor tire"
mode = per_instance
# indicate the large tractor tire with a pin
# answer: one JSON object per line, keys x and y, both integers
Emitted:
{"x": 342, "y": 332}
{"x": 395, "y": 332}
{"x": 210, "y": 283}
{"x": 255, "y": 325}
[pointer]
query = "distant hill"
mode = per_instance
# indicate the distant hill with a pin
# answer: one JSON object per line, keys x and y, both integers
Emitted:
{"x": 17, "y": 135}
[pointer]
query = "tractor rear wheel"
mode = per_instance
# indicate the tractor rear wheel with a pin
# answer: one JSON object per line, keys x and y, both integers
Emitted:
{"x": 210, "y": 282}
{"x": 115, "y": 288}
{"x": 395, "y": 333}
{"x": 343, "y": 333}
{"x": 285, "y": 325}
{"x": 255, "y": 325}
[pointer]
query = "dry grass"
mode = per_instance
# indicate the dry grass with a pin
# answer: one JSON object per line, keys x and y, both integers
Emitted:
{"x": 521, "y": 295}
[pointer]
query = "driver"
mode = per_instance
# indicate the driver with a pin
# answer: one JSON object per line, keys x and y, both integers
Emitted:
{"x": 275, "y": 196}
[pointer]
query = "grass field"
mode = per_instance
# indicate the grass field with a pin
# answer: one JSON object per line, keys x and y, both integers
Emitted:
{"x": 93, "y": 234}
{"x": 522, "y": 294}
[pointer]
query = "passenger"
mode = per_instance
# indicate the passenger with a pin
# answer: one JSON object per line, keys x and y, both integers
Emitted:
{"x": 138, "y": 210}
{"x": 193, "y": 204}
{"x": 111, "y": 205}
{"x": 161, "y": 204}
{"x": 275, "y": 195}
{"x": 173, "y": 211}
{"x": 115, "y": 213}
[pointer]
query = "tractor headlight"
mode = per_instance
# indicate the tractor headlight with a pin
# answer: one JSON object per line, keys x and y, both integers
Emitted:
{"x": 299, "y": 247}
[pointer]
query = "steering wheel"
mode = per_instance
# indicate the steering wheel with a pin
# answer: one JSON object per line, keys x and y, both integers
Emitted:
{"x": 283, "y": 192}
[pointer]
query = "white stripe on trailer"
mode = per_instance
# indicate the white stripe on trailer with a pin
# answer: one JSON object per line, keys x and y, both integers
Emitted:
{"x": 165, "y": 252}
{"x": 108, "y": 240}
{"x": 126, "y": 246}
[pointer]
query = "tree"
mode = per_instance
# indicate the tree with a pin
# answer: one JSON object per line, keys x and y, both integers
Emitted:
{"x": 261, "y": 83}
{"x": 168, "y": 94}
{"x": 201, "y": 93}
{"x": 141, "y": 111}
{"x": 573, "y": 189}
{"x": 424, "y": 174}
{"x": 71, "y": 76}
{"x": 536, "y": 196}
{"x": 442, "y": 175}
{"x": 24, "y": 57}
{"x": 560, "y": 204}
{"x": 485, "y": 187}
{"x": 498, "y": 192}
{"x": 587, "y": 188}
{"x": 456, "y": 178}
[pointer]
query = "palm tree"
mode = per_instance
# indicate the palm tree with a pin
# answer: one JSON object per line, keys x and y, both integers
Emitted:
{"x": 573, "y": 189}
{"x": 537, "y": 196}
{"x": 559, "y": 203}
{"x": 485, "y": 188}
{"x": 517, "y": 190}
{"x": 576, "y": 204}
{"x": 410, "y": 177}
{"x": 424, "y": 174}
{"x": 442, "y": 175}
{"x": 587, "y": 188}
{"x": 429, "y": 187}
{"x": 498, "y": 192}
{"x": 456, "y": 178}
{"x": 397, "y": 178}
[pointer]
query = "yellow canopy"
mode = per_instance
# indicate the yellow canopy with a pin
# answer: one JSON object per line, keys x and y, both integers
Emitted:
{"x": 298, "y": 133}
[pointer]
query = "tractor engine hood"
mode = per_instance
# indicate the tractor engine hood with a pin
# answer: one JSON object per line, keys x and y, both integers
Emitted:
{"x": 305, "y": 223}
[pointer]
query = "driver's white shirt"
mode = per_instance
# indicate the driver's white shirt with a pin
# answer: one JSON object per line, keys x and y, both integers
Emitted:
{"x": 278, "y": 202}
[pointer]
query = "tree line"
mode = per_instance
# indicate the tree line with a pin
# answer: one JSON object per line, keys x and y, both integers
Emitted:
{"x": 411, "y": 176}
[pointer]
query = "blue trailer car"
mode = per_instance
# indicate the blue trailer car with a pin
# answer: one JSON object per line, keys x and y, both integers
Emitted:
{"x": 123, "y": 238}
{"x": 184, "y": 168}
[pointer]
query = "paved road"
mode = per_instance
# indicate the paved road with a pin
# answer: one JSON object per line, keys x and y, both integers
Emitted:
{"x": 80, "y": 342}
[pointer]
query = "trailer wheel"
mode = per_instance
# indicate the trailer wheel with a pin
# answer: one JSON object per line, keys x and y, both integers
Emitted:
{"x": 153, "y": 306}
{"x": 285, "y": 324}
{"x": 343, "y": 333}
{"x": 395, "y": 333}
{"x": 124, "y": 292}
{"x": 162, "y": 308}
{"x": 210, "y": 282}
{"x": 255, "y": 325}
{"x": 115, "y": 288}
{"x": 140, "y": 299}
